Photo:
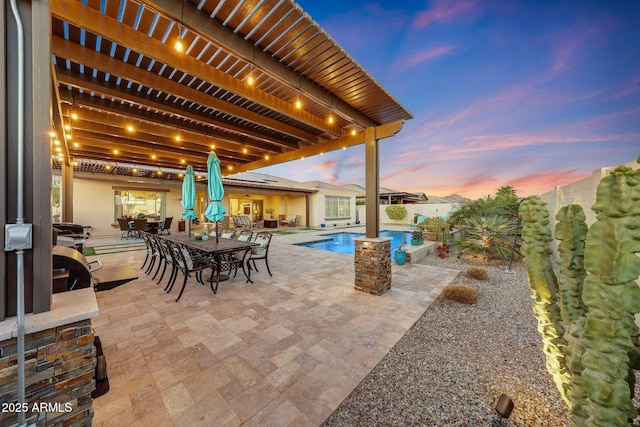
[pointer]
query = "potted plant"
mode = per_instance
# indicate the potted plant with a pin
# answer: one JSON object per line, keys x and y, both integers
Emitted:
{"x": 417, "y": 237}
{"x": 400, "y": 255}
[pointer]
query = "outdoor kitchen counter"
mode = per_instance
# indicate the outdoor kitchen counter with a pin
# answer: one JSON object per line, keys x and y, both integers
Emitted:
{"x": 66, "y": 308}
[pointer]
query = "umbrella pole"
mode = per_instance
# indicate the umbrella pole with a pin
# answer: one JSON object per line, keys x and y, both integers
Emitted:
{"x": 216, "y": 231}
{"x": 189, "y": 228}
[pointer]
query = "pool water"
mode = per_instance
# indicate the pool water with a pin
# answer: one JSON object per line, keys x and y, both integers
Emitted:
{"x": 344, "y": 243}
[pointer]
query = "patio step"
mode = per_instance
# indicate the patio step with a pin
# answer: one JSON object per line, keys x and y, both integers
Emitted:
{"x": 113, "y": 248}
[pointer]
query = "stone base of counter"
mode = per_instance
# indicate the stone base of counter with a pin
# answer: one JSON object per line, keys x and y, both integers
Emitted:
{"x": 60, "y": 366}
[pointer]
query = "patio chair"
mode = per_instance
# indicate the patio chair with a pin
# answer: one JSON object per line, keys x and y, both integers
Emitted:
{"x": 166, "y": 261}
{"x": 126, "y": 226}
{"x": 149, "y": 255}
{"x": 291, "y": 220}
{"x": 153, "y": 252}
{"x": 263, "y": 238}
{"x": 282, "y": 219}
{"x": 418, "y": 221}
{"x": 189, "y": 263}
{"x": 238, "y": 258}
{"x": 140, "y": 225}
{"x": 166, "y": 226}
{"x": 227, "y": 233}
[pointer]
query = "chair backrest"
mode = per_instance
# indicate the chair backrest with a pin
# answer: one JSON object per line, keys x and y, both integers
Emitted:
{"x": 163, "y": 244}
{"x": 181, "y": 255}
{"x": 140, "y": 224}
{"x": 124, "y": 224}
{"x": 245, "y": 235}
{"x": 420, "y": 219}
{"x": 228, "y": 233}
{"x": 263, "y": 238}
{"x": 166, "y": 225}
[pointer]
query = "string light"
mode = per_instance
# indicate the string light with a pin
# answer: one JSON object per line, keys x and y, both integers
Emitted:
{"x": 74, "y": 116}
{"x": 353, "y": 132}
{"x": 266, "y": 157}
{"x": 179, "y": 46}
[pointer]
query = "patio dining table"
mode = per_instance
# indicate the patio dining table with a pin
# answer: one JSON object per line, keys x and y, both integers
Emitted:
{"x": 217, "y": 249}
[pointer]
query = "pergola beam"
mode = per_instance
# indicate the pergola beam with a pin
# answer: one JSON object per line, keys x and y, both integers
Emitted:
{"x": 229, "y": 40}
{"x": 85, "y": 17}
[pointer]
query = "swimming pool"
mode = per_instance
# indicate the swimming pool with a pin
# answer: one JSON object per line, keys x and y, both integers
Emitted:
{"x": 343, "y": 242}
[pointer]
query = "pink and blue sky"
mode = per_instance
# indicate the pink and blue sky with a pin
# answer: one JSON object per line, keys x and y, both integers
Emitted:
{"x": 530, "y": 94}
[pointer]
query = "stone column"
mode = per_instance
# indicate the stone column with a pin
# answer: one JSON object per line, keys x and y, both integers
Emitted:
{"x": 373, "y": 265}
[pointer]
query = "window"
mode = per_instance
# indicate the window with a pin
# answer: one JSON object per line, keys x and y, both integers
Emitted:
{"x": 56, "y": 186}
{"x": 337, "y": 207}
{"x": 133, "y": 203}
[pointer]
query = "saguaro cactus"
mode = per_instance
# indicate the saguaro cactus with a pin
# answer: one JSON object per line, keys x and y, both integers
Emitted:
{"x": 591, "y": 362}
{"x": 612, "y": 298}
{"x": 542, "y": 280}
{"x": 571, "y": 230}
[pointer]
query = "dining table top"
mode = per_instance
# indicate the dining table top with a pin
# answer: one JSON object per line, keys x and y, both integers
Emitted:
{"x": 211, "y": 245}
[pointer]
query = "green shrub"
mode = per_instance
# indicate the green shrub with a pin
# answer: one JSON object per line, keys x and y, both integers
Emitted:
{"x": 477, "y": 273}
{"x": 460, "y": 293}
{"x": 490, "y": 235}
{"x": 436, "y": 225}
{"x": 396, "y": 212}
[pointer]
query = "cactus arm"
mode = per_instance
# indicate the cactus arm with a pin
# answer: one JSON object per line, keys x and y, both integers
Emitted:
{"x": 612, "y": 297}
{"x": 542, "y": 280}
{"x": 571, "y": 231}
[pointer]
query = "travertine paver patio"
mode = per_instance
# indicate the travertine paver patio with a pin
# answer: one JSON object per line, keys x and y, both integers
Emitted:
{"x": 285, "y": 350}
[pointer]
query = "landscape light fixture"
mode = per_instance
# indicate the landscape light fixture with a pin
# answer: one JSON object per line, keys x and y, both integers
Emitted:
{"x": 503, "y": 408}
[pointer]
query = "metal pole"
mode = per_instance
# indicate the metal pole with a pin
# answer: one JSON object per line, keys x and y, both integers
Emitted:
{"x": 20, "y": 214}
{"x": 515, "y": 239}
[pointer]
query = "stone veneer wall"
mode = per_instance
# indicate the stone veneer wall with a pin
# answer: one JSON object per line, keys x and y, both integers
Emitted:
{"x": 60, "y": 364}
{"x": 373, "y": 265}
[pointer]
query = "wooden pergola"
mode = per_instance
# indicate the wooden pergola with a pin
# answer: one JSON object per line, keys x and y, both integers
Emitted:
{"x": 257, "y": 81}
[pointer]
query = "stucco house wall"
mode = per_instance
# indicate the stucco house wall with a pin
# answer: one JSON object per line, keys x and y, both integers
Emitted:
{"x": 93, "y": 203}
{"x": 317, "y": 205}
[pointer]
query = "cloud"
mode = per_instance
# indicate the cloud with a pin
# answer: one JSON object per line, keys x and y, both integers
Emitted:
{"x": 444, "y": 11}
{"x": 629, "y": 87}
{"x": 423, "y": 55}
{"x": 544, "y": 181}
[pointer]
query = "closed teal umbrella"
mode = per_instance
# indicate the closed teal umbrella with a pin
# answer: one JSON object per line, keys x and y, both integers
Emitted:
{"x": 188, "y": 201}
{"x": 215, "y": 211}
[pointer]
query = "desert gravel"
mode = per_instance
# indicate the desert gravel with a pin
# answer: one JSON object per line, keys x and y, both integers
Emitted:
{"x": 451, "y": 367}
